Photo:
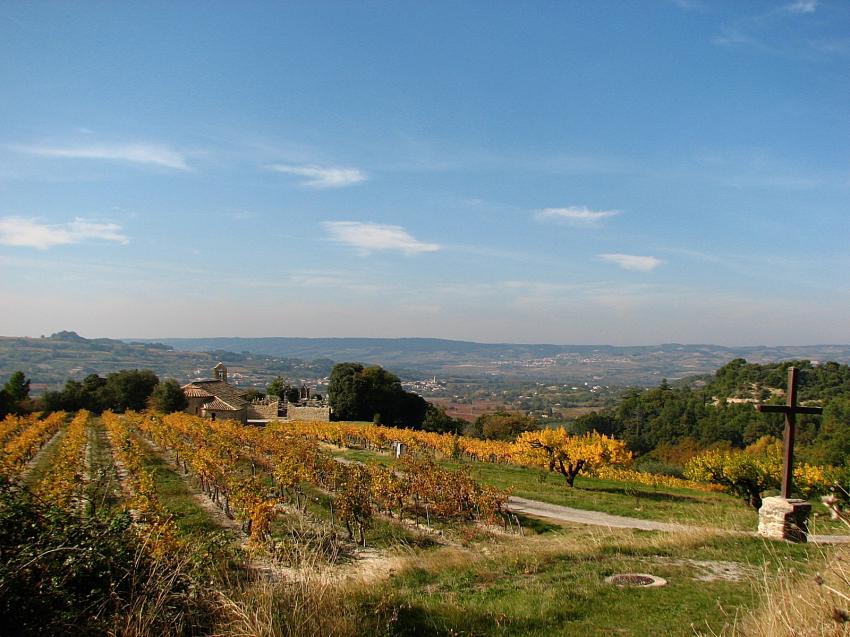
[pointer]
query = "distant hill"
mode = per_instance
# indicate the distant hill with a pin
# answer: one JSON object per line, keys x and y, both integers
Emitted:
{"x": 50, "y": 361}
{"x": 412, "y": 357}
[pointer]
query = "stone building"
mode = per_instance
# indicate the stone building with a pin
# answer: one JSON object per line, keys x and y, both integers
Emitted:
{"x": 218, "y": 400}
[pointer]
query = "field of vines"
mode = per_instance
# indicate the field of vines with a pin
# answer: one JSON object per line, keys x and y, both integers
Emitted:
{"x": 590, "y": 454}
{"x": 252, "y": 475}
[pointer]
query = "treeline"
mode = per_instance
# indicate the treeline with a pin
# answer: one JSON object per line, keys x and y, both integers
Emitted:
{"x": 670, "y": 423}
{"x": 740, "y": 379}
{"x": 129, "y": 389}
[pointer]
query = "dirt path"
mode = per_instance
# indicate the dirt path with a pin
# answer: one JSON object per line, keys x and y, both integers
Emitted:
{"x": 583, "y": 516}
{"x": 596, "y": 518}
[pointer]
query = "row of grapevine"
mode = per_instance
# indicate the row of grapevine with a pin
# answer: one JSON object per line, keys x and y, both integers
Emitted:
{"x": 143, "y": 503}
{"x": 622, "y": 474}
{"x": 32, "y": 435}
{"x": 12, "y": 425}
{"x": 553, "y": 449}
{"x": 216, "y": 457}
{"x": 64, "y": 482}
{"x": 219, "y": 453}
{"x": 379, "y": 437}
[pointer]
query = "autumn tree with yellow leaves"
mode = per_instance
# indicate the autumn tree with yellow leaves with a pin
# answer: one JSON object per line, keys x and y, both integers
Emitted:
{"x": 569, "y": 455}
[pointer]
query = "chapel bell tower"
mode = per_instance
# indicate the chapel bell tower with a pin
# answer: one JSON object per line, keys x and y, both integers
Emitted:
{"x": 220, "y": 372}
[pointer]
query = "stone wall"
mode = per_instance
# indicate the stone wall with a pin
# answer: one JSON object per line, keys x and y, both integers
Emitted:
{"x": 220, "y": 414}
{"x": 195, "y": 405}
{"x": 263, "y": 411}
{"x": 310, "y": 414}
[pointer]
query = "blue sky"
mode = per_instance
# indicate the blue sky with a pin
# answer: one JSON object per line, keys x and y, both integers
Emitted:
{"x": 587, "y": 172}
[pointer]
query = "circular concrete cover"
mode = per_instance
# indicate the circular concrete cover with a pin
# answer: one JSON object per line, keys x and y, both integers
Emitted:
{"x": 641, "y": 580}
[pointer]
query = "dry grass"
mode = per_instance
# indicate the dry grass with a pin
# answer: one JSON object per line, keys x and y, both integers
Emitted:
{"x": 795, "y": 605}
{"x": 805, "y": 606}
{"x": 307, "y": 598}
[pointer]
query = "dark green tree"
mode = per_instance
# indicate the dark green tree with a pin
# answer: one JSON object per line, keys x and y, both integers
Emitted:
{"x": 504, "y": 426}
{"x": 436, "y": 419}
{"x": 17, "y": 388}
{"x": 281, "y": 388}
{"x": 600, "y": 422}
{"x": 131, "y": 388}
{"x": 14, "y": 396}
{"x": 356, "y": 392}
{"x": 167, "y": 397}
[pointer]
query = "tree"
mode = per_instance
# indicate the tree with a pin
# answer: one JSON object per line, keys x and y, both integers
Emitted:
{"x": 131, "y": 388}
{"x": 600, "y": 422}
{"x": 570, "y": 455}
{"x": 437, "y": 420}
{"x": 281, "y": 388}
{"x": 253, "y": 394}
{"x": 356, "y": 392}
{"x": 504, "y": 426}
{"x": 168, "y": 397}
{"x": 746, "y": 475}
{"x": 17, "y": 388}
{"x": 15, "y": 394}
{"x": 832, "y": 444}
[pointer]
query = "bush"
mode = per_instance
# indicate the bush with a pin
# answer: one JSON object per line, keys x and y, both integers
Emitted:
{"x": 65, "y": 574}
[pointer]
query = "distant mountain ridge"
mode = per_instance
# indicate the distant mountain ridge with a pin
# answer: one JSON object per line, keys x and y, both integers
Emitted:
{"x": 330, "y": 347}
{"x": 640, "y": 365}
{"x": 255, "y": 361}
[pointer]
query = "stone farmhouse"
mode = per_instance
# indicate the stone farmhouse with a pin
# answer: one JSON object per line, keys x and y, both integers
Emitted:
{"x": 217, "y": 399}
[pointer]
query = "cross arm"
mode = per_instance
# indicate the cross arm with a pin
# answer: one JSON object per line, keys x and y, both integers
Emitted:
{"x": 784, "y": 409}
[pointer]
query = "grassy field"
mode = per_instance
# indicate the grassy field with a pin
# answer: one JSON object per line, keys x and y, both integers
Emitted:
{"x": 556, "y": 585}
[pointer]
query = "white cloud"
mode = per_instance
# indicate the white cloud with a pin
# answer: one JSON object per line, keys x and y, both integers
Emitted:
{"x": 802, "y": 6}
{"x": 137, "y": 153}
{"x": 632, "y": 261}
{"x": 370, "y": 237}
{"x": 17, "y": 231}
{"x": 323, "y": 176}
{"x": 575, "y": 215}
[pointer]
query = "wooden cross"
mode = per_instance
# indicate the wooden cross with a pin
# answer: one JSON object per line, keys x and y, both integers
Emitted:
{"x": 790, "y": 409}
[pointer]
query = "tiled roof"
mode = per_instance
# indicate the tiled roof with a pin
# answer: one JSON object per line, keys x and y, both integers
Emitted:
{"x": 226, "y": 392}
{"x": 191, "y": 391}
{"x": 220, "y": 405}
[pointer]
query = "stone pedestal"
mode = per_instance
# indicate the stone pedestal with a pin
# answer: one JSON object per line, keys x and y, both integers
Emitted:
{"x": 781, "y": 519}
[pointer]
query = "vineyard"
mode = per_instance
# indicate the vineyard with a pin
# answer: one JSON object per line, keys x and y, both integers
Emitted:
{"x": 179, "y": 525}
{"x": 555, "y": 450}
{"x": 252, "y": 475}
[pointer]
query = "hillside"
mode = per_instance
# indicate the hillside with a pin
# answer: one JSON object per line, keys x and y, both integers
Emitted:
{"x": 614, "y": 365}
{"x": 50, "y": 361}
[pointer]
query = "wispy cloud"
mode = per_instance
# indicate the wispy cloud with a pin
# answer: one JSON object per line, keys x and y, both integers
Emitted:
{"x": 21, "y": 232}
{"x": 780, "y": 30}
{"x": 140, "y": 153}
{"x": 802, "y": 6}
{"x": 372, "y": 237}
{"x": 632, "y": 261}
{"x": 689, "y": 5}
{"x": 575, "y": 215}
{"x": 323, "y": 176}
